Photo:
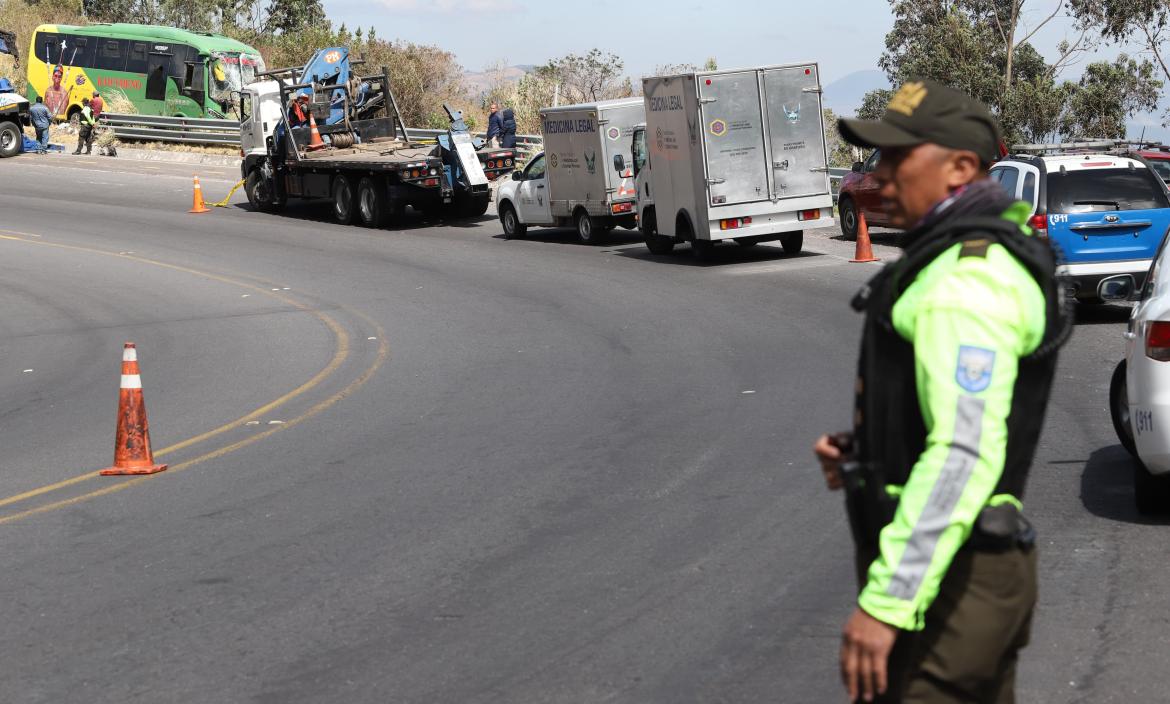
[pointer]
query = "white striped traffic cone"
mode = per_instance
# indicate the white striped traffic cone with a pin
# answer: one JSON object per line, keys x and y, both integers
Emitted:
{"x": 132, "y": 453}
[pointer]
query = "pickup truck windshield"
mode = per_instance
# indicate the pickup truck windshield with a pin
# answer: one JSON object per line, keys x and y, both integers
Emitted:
{"x": 1093, "y": 190}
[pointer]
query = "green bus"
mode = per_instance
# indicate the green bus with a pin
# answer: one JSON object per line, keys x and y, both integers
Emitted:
{"x": 161, "y": 70}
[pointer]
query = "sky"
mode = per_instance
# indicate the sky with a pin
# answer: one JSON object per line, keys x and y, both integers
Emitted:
{"x": 842, "y": 36}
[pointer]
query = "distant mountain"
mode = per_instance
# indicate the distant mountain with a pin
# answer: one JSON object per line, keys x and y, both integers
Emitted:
{"x": 843, "y": 96}
{"x": 480, "y": 82}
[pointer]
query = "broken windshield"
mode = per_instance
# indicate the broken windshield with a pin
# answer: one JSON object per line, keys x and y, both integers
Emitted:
{"x": 231, "y": 71}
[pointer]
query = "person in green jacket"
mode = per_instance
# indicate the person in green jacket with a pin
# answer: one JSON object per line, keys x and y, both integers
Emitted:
{"x": 957, "y": 360}
{"x": 85, "y": 126}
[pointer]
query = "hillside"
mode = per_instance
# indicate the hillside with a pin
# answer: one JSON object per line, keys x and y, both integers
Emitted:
{"x": 479, "y": 83}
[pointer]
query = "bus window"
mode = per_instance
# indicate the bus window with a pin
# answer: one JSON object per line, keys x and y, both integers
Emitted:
{"x": 48, "y": 47}
{"x": 136, "y": 62}
{"x": 195, "y": 82}
{"x": 156, "y": 82}
{"x": 111, "y": 55}
{"x": 79, "y": 51}
{"x": 159, "y": 60}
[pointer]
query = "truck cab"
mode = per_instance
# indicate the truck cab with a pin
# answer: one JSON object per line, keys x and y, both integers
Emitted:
{"x": 260, "y": 114}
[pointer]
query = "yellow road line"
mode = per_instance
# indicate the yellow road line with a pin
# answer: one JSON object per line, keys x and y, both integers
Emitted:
{"x": 383, "y": 353}
{"x": 341, "y": 353}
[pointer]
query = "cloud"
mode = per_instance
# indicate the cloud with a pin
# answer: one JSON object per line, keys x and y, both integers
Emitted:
{"x": 449, "y": 7}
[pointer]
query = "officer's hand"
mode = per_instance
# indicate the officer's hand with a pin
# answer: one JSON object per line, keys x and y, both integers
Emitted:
{"x": 865, "y": 649}
{"x": 830, "y": 456}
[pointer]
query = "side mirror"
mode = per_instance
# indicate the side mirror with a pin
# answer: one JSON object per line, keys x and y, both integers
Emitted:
{"x": 1117, "y": 288}
{"x": 857, "y": 167}
{"x": 517, "y": 175}
{"x": 619, "y": 163}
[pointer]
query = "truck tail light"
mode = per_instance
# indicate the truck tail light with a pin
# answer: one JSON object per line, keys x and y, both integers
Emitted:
{"x": 491, "y": 164}
{"x": 431, "y": 182}
{"x": 1158, "y": 341}
{"x": 734, "y": 223}
{"x": 622, "y": 207}
{"x": 1039, "y": 223}
{"x": 813, "y": 214}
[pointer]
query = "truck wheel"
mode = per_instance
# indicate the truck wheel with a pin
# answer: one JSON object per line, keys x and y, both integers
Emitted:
{"x": 656, "y": 243}
{"x": 588, "y": 231}
{"x": 513, "y": 228}
{"x": 10, "y": 140}
{"x": 1119, "y": 409}
{"x": 474, "y": 207}
{"x": 259, "y": 192}
{"x": 344, "y": 200}
{"x": 847, "y": 211}
{"x": 792, "y": 242}
{"x": 703, "y": 250}
{"x": 373, "y": 203}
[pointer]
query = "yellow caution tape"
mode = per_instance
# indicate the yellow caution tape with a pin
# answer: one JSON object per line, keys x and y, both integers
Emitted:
{"x": 224, "y": 203}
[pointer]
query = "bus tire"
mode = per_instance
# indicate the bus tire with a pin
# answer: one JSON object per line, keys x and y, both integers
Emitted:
{"x": 10, "y": 139}
{"x": 373, "y": 202}
{"x": 344, "y": 200}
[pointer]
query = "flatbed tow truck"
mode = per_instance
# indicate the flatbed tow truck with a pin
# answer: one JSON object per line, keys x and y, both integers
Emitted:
{"x": 366, "y": 163}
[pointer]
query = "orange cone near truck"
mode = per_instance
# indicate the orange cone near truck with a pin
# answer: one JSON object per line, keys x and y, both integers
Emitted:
{"x": 132, "y": 453}
{"x": 197, "y": 204}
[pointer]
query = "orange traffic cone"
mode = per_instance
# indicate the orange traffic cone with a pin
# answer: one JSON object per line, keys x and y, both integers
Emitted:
{"x": 197, "y": 205}
{"x": 864, "y": 251}
{"x": 132, "y": 447}
{"x": 315, "y": 141}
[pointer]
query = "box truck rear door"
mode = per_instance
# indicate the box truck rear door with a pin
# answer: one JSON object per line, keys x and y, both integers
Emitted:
{"x": 733, "y": 137}
{"x": 793, "y": 100}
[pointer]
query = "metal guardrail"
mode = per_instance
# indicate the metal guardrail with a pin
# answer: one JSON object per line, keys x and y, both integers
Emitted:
{"x": 189, "y": 130}
{"x": 193, "y": 130}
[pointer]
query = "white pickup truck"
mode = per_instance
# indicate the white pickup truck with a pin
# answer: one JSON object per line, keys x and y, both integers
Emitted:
{"x": 571, "y": 182}
{"x": 731, "y": 155}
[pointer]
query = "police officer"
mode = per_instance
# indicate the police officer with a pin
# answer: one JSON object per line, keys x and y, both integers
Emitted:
{"x": 957, "y": 358}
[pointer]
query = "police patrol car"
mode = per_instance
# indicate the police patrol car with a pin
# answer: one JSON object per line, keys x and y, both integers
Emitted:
{"x": 1139, "y": 394}
{"x": 1105, "y": 210}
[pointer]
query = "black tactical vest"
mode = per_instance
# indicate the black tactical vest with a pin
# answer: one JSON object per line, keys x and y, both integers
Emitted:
{"x": 889, "y": 431}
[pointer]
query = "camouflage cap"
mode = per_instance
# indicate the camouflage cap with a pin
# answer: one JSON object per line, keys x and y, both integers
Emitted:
{"x": 926, "y": 112}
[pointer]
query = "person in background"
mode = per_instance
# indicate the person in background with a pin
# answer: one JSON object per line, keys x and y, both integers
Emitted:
{"x": 495, "y": 126}
{"x": 85, "y": 127}
{"x": 41, "y": 118}
{"x": 508, "y": 129}
{"x": 97, "y": 105}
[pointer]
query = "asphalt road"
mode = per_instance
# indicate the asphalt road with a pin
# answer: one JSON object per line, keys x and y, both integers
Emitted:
{"x": 430, "y": 465}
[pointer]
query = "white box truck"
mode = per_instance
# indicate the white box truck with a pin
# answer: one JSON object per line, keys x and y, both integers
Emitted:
{"x": 573, "y": 180}
{"x": 731, "y": 155}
